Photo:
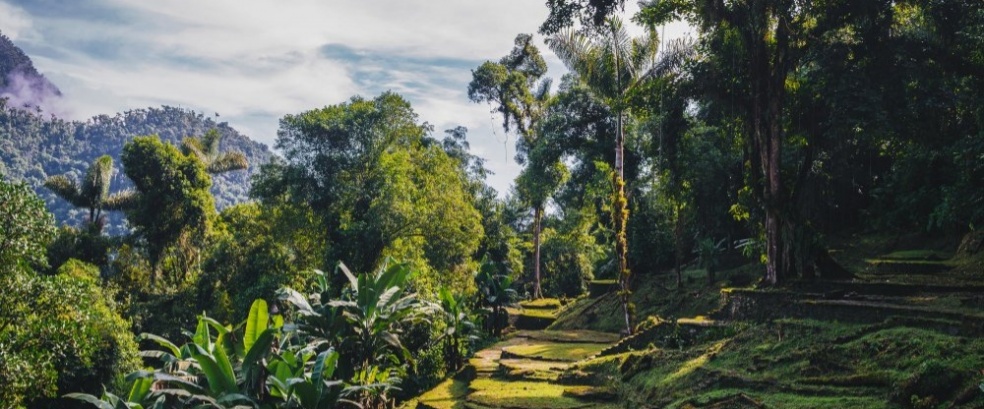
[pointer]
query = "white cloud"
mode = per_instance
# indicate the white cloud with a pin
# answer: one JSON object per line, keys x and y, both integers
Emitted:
{"x": 255, "y": 61}
{"x": 15, "y": 23}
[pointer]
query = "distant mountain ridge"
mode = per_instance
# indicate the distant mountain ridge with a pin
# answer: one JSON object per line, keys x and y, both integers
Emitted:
{"x": 34, "y": 147}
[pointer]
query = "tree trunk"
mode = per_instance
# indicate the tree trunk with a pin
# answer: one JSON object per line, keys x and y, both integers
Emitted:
{"x": 678, "y": 244}
{"x": 621, "y": 210}
{"x": 537, "y": 219}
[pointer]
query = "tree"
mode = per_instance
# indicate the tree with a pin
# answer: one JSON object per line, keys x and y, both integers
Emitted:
{"x": 535, "y": 185}
{"x": 206, "y": 149}
{"x": 173, "y": 205}
{"x": 612, "y": 65}
{"x": 516, "y": 86}
{"x": 752, "y": 50}
{"x": 564, "y": 13}
{"x": 25, "y": 226}
{"x": 93, "y": 192}
{"x": 379, "y": 185}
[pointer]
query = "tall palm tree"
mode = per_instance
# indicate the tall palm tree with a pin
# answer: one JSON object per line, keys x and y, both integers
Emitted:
{"x": 611, "y": 64}
{"x": 93, "y": 191}
{"x": 206, "y": 149}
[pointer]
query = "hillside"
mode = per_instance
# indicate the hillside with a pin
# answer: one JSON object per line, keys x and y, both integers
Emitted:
{"x": 35, "y": 145}
{"x": 894, "y": 337}
{"x": 34, "y": 148}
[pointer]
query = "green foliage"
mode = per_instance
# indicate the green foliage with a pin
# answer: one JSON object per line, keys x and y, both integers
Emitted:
{"x": 34, "y": 147}
{"x": 256, "y": 252}
{"x": 173, "y": 206}
{"x": 569, "y": 258}
{"x": 493, "y": 296}
{"x": 378, "y": 185}
{"x": 87, "y": 245}
{"x": 93, "y": 192}
{"x": 459, "y": 333}
{"x": 206, "y": 149}
{"x": 365, "y": 326}
{"x": 221, "y": 372}
{"x": 55, "y": 346}
{"x": 25, "y": 226}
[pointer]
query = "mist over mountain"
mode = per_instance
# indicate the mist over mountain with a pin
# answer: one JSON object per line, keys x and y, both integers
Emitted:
{"x": 21, "y": 84}
{"x": 36, "y": 144}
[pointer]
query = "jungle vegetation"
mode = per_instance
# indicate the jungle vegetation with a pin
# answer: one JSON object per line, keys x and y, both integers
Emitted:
{"x": 160, "y": 259}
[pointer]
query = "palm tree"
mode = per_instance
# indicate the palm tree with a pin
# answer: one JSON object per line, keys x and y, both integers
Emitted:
{"x": 206, "y": 149}
{"x": 611, "y": 64}
{"x": 93, "y": 192}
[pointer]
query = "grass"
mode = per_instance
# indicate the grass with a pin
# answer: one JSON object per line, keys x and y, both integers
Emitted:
{"x": 553, "y": 351}
{"x": 813, "y": 364}
{"x": 524, "y": 394}
{"x": 928, "y": 255}
{"x": 655, "y": 295}
{"x": 782, "y": 363}
{"x": 542, "y": 303}
{"x": 570, "y": 336}
{"x": 447, "y": 395}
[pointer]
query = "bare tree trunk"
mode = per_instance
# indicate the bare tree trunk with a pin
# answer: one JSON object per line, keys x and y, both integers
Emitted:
{"x": 621, "y": 210}
{"x": 537, "y": 219}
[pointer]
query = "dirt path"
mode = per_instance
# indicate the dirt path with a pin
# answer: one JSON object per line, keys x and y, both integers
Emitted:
{"x": 524, "y": 371}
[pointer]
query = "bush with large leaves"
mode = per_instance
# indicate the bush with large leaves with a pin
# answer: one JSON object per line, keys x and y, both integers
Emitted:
{"x": 223, "y": 367}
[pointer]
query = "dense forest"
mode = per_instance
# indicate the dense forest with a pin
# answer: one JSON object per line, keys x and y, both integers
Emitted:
{"x": 780, "y": 211}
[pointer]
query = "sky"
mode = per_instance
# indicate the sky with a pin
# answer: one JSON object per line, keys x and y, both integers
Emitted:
{"x": 254, "y": 61}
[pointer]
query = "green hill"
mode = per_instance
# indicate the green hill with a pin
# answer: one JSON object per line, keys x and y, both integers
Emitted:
{"x": 35, "y": 144}
{"x": 34, "y": 148}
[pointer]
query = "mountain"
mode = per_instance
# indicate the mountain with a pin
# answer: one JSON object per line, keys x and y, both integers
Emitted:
{"x": 34, "y": 147}
{"x": 20, "y": 83}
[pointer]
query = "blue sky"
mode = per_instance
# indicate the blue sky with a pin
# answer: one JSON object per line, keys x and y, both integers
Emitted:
{"x": 253, "y": 61}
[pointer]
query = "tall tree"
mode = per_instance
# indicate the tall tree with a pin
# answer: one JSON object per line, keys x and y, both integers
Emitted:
{"x": 539, "y": 180}
{"x": 612, "y": 64}
{"x": 752, "y": 50}
{"x": 173, "y": 203}
{"x": 378, "y": 183}
{"x": 516, "y": 87}
{"x": 93, "y": 192}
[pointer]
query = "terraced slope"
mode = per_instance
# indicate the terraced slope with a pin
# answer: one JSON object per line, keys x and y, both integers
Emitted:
{"x": 525, "y": 371}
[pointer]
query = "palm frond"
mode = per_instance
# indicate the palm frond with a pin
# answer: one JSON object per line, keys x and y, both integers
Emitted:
{"x": 65, "y": 188}
{"x": 228, "y": 161}
{"x": 120, "y": 201}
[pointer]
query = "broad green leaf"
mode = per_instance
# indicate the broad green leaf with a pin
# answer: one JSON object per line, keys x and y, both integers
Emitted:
{"x": 140, "y": 389}
{"x": 222, "y": 360}
{"x": 85, "y": 397}
{"x": 162, "y": 342}
{"x": 218, "y": 382}
{"x": 259, "y": 317}
{"x": 202, "y": 335}
{"x": 348, "y": 274}
{"x": 259, "y": 348}
{"x": 219, "y": 328}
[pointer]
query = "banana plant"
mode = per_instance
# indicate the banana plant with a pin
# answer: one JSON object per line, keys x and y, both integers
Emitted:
{"x": 494, "y": 295}
{"x": 364, "y": 325}
{"x": 234, "y": 371}
{"x": 297, "y": 386}
{"x": 140, "y": 397}
{"x": 459, "y": 332}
